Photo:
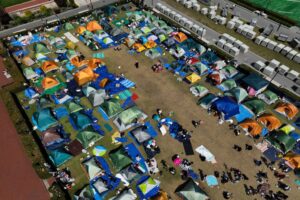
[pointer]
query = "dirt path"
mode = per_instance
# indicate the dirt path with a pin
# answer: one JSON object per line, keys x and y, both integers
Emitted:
{"x": 18, "y": 179}
{"x": 161, "y": 90}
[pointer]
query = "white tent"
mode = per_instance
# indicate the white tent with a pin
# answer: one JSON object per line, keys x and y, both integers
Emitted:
{"x": 97, "y": 98}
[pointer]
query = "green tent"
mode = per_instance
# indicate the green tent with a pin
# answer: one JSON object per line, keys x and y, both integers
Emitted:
{"x": 68, "y": 26}
{"x": 228, "y": 85}
{"x": 153, "y": 53}
{"x": 160, "y": 23}
{"x": 238, "y": 93}
{"x": 268, "y": 96}
{"x": 58, "y": 43}
{"x": 43, "y": 119}
{"x": 88, "y": 34}
{"x": 111, "y": 107}
{"x": 229, "y": 71}
{"x": 87, "y": 90}
{"x": 40, "y": 48}
{"x": 148, "y": 185}
{"x": 130, "y": 115}
{"x": 80, "y": 120}
{"x": 281, "y": 141}
{"x": 199, "y": 90}
{"x": 71, "y": 53}
{"x": 207, "y": 100}
{"x": 44, "y": 103}
{"x": 73, "y": 107}
{"x": 168, "y": 29}
{"x": 200, "y": 68}
{"x": 145, "y": 29}
{"x": 136, "y": 16}
{"x": 162, "y": 37}
{"x": 189, "y": 190}
{"x": 88, "y": 137}
{"x": 151, "y": 27}
{"x": 92, "y": 168}
{"x": 257, "y": 106}
{"x": 119, "y": 158}
{"x": 29, "y": 73}
{"x": 59, "y": 157}
{"x": 137, "y": 33}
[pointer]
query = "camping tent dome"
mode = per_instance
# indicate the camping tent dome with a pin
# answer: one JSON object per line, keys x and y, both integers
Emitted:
{"x": 287, "y": 109}
{"x": 49, "y": 82}
{"x": 43, "y": 119}
{"x": 97, "y": 98}
{"x": 68, "y": 26}
{"x": 189, "y": 190}
{"x": 49, "y": 66}
{"x": 87, "y": 137}
{"x": 93, "y": 26}
{"x": 270, "y": 121}
{"x": 81, "y": 29}
{"x": 40, "y": 48}
{"x": 238, "y": 93}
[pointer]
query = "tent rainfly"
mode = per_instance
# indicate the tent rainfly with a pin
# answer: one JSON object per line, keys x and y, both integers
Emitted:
{"x": 190, "y": 190}
{"x": 238, "y": 93}
{"x": 199, "y": 90}
{"x": 287, "y": 109}
{"x": 97, "y": 98}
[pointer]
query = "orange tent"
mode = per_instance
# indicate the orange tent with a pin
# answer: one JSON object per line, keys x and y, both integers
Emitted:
{"x": 94, "y": 62}
{"x": 150, "y": 44}
{"x": 84, "y": 76}
{"x": 77, "y": 63}
{"x": 93, "y": 26}
{"x": 49, "y": 66}
{"x": 293, "y": 160}
{"x": 49, "y": 82}
{"x": 180, "y": 37}
{"x": 270, "y": 121}
{"x": 162, "y": 195}
{"x": 138, "y": 47}
{"x": 251, "y": 126}
{"x": 287, "y": 109}
{"x": 81, "y": 29}
{"x": 103, "y": 82}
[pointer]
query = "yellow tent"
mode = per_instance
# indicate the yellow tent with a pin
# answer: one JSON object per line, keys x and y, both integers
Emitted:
{"x": 94, "y": 62}
{"x": 81, "y": 29}
{"x": 93, "y": 26}
{"x": 193, "y": 78}
{"x": 71, "y": 45}
{"x": 84, "y": 76}
{"x": 27, "y": 61}
{"x": 138, "y": 47}
{"x": 49, "y": 66}
{"x": 49, "y": 82}
{"x": 293, "y": 160}
{"x": 77, "y": 63}
{"x": 150, "y": 44}
{"x": 114, "y": 136}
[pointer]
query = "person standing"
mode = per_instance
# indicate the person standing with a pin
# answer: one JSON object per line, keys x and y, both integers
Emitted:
{"x": 136, "y": 64}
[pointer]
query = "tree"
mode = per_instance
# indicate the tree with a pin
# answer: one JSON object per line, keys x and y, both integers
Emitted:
{"x": 45, "y": 11}
{"x": 61, "y": 3}
{"x": 28, "y": 14}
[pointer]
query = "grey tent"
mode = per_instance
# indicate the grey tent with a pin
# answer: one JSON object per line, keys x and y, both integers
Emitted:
{"x": 125, "y": 195}
{"x": 97, "y": 98}
{"x": 88, "y": 90}
{"x": 116, "y": 31}
{"x": 100, "y": 186}
{"x": 85, "y": 194}
{"x": 130, "y": 174}
{"x": 140, "y": 134}
{"x": 189, "y": 190}
{"x": 169, "y": 42}
{"x": 92, "y": 168}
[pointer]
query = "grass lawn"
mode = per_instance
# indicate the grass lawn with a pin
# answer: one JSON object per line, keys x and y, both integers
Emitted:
{"x": 6, "y": 3}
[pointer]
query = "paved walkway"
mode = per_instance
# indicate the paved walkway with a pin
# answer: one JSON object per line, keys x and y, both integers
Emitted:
{"x": 18, "y": 179}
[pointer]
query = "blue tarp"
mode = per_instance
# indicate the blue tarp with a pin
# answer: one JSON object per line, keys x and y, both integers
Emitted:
{"x": 61, "y": 112}
{"x": 35, "y": 38}
{"x": 227, "y": 106}
{"x": 133, "y": 153}
{"x": 30, "y": 92}
{"x": 244, "y": 114}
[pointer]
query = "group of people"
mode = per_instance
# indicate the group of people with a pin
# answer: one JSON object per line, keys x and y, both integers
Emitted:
{"x": 157, "y": 67}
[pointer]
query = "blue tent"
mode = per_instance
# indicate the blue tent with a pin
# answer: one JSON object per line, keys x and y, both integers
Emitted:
{"x": 227, "y": 106}
{"x": 43, "y": 119}
{"x": 59, "y": 157}
{"x": 30, "y": 93}
{"x": 80, "y": 120}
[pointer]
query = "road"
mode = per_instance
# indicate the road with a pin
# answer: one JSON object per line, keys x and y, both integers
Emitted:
{"x": 248, "y": 15}
{"x": 248, "y": 58}
{"x": 48, "y": 20}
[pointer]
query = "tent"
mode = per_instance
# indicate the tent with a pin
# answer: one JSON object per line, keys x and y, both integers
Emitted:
{"x": 129, "y": 118}
{"x": 199, "y": 90}
{"x": 88, "y": 137}
{"x": 270, "y": 121}
{"x": 49, "y": 82}
{"x": 287, "y": 129}
{"x": 88, "y": 34}
{"x": 138, "y": 47}
{"x": 167, "y": 29}
{"x": 257, "y": 106}
{"x": 169, "y": 42}
{"x": 216, "y": 77}
{"x": 91, "y": 167}
{"x": 189, "y": 190}
{"x": 129, "y": 173}
{"x": 76, "y": 61}
{"x": 162, "y": 37}
{"x": 100, "y": 186}
{"x": 251, "y": 126}
{"x": 177, "y": 51}
{"x": 94, "y": 63}
{"x": 255, "y": 83}
{"x": 111, "y": 107}
{"x": 93, "y": 26}
{"x": 207, "y": 100}
{"x": 43, "y": 119}
{"x": 154, "y": 52}
{"x": 73, "y": 107}
{"x": 162, "y": 195}
{"x": 125, "y": 195}
{"x": 81, "y": 29}
{"x": 68, "y": 26}
{"x": 107, "y": 41}
{"x": 119, "y": 158}
{"x": 59, "y": 157}
{"x": 85, "y": 194}
{"x": 99, "y": 151}
{"x": 180, "y": 37}
{"x": 293, "y": 160}
{"x": 51, "y": 137}
{"x": 27, "y": 61}
{"x": 97, "y": 98}
{"x": 229, "y": 71}
{"x": 227, "y": 106}
{"x": 41, "y": 48}
{"x": 199, "y": 68}
{"x": 129, "y": 42}
{"x": 287, "y": 109}
{"x": 81, "y": 120}
{"x": 71, "y": 45}
{"x": 84, "y": 76}
{"x": 140, "y": 134}
{"x": 145, "y": 30}
{"x": 150, "y": 44}
{"x": 30, "y": 93}
{"x": 238, "y": 93}
{"x": 193, "y": 78}
{"x": 136, "y": 33}
{"x": 148, "y": 188}
{"x": 268, "y": 97}
{"x": 281, "y": 141}
{"x": 227, "y": 85}
{"x": 29, "y": 73}
{"x": 59, "y": 43}
{"x": 49, "y": 66}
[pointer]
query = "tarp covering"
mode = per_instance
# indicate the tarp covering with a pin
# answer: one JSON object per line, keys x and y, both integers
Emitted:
{"x": 251, "y": 126}
{"x": 111, "y": 107}
{"x": 49, "y": 66}
{"x": 93, "y": 26}
{"x": 281, "y": 141}
{"x": 227, "y": 106}
{"x": 287, "y": 109}
{"x": 119, "y": 158}
{"x": 180, "y": 37}
{"x": 238, "y": 93}
{"x": 189, "y": 190}
{"x": 59, "y": 157}
{"x": 270, "y": 121}
{"x": 88, "y": 137}
{"x": 255, "y": 81}
{"x": 256, "y": 106}
{"x": 43, "y": 119}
